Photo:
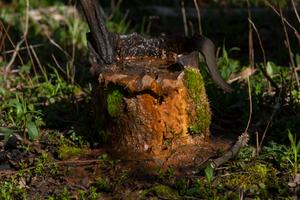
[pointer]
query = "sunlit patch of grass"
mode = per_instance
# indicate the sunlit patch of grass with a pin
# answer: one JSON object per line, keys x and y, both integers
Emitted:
{"x": 43, "y": 164}
{"x": 66, "y": 152}
{"x": 161, "y": 191}
{"x": 10, "y": 191}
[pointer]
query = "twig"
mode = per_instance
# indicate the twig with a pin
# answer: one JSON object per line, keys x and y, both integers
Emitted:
{"x": 39, "y": 63}
{"x": 191, "y": 25}
{"x": 242, "y": 75}
{"x": 2, "y": 36}
{"x": 285, "y": 20}
{"x": 30, "y": 56}
{"x": 7, "y": 172}
{"x": 26, "y": 19}
{"x": 26, "y": 41}
{"x": 72, "y": 67}
{"x": 264, "y": 57}
{"x": 250, "y": 38}
{"x": 11, "y": 42}
{"x": 58, "y": 65}
{"x": 21, "y": 48}
{"x": 290, "y": 50}
{"x": 78, "y": 162}
{"x": 186, "y": 31}
{"x": 58, "y": 46}
{"x": 67, "y": 162}
{"x": 114, "y": 9}
{"x": 12, "y": 60}
{"x": 295, "y": 10}
{"x": 242, "y": 141}
{"x": 251, "y": 61}
{"x": 250, "y": 105}
{"x": 276, "y": 108}
{"x": 257, "y": 143}
{"x": 8, "y": 66}
{"x": 278, "y": 13}
{"x": 244, "y": 137}
{"x": 198, "y": 16}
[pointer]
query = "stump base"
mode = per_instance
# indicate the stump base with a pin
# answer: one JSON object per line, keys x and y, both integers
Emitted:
{"x": 155, "y": 112}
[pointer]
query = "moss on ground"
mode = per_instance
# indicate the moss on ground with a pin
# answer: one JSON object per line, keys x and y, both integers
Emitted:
{"x": 195, "y": 85}
{"x": 162, "y": 192}
{"x": 66, "y": 152}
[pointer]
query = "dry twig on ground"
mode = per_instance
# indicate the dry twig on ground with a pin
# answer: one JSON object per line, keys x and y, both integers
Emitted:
{"x": 242, "y": 141}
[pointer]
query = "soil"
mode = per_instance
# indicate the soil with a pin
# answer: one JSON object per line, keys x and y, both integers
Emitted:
{"x": 113, "y": 178}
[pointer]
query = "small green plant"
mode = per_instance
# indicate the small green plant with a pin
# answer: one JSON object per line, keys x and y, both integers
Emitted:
{"x": 227, "y": 65}
{"x": 105, "y": 160}
{"x": 24, "y": 115}
{"x": 278, "y": 153}
{"x": 182, "y": 185}
{"x": 9, "y": 191}
{"x": 295, "y": 148}
{"x": 93, "y": 194}
{"x": 209, "y": 172}
{"x": 7, "y": 132}
{"x": 41, "y": 163}
{"x": 195, "y": 190}
{"x": 119, "y": 23}
{"x": 64, "y": 195}
{"x": 77, "y": 139}
{"x": 102, "y": 185}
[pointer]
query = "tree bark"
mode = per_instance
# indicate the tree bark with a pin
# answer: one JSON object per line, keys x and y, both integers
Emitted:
{"x": 101, "y": 42}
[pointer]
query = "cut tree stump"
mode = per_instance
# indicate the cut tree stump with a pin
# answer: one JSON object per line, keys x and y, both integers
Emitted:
{"x": 154, "y": 108}
{"x": 150, "y": 97}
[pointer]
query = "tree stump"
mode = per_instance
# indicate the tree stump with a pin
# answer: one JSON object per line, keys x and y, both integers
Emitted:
{"x": 153, "y": 106}
{"x": 151, "y": 97}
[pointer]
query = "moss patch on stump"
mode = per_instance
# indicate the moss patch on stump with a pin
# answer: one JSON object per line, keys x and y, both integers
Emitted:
{"x": 196, "y": 90}
{"x": 114, "y": 101}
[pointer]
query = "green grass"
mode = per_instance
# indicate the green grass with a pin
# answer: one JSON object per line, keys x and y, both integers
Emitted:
{"x": 66, "y": 152}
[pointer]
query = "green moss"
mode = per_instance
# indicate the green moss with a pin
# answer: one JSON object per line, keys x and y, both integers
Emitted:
{"x": 162, "y": 192}
{"x": 258, "y": 178}
{"x": 114, "y": 101}
{"x": 195, "y": 85}
{"x": 102, "y": 185}
{"x": 66, "y": 152}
